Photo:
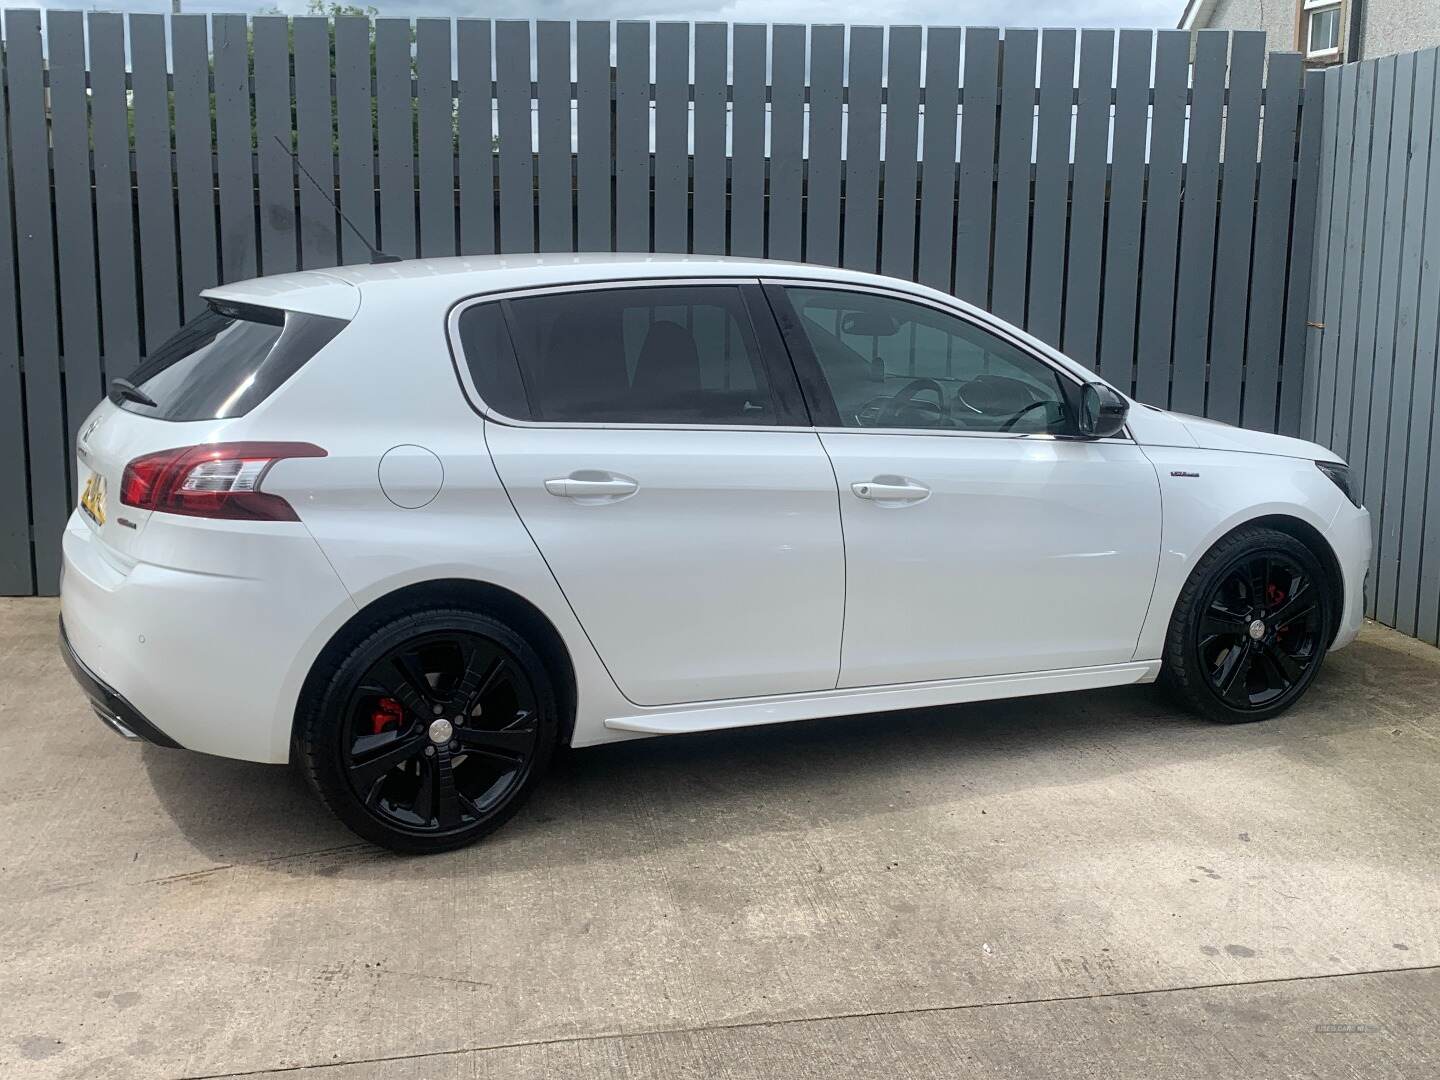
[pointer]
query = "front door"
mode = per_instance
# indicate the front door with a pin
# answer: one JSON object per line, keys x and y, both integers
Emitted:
{"x": 979, "y": 538}
{"x": 696, "y": 538}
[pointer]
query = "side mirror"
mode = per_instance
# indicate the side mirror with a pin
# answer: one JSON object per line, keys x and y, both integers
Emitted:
{"x": 1102, "y": 411}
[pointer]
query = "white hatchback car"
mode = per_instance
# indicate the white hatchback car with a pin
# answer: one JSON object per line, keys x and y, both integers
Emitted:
{"x": 413, "y": 525}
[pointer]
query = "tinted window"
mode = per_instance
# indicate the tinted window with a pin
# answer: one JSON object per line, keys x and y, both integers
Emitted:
{"x": 227, "y": 360}
{"x": 664, "y": 355}
{"x": 893, "y": 363}
{"x": 488, "y": 354}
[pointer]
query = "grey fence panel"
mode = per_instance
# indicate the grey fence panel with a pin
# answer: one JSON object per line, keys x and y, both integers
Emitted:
{"x": 1416, "y": 338}
{"x": 114, "y": 210}
{"x": 787, "y": 137}
{"x": 1116, "y": 360}
{"x": 556, "y": 188}
{"x": 74, "y": 228}
{"x": 1272, "y": 241}
{"x": 632, "y": 137}
{"x": 35, "y": 263}
{"x": 395, "y": 136}
{"x": 314, "y": 139}
{"x": 747, "y": 122}
{"x": 1197, "y": 233}
{"x": 477, "y": 131}
{"x": 517, "y": 154}
{"x": 273, "y": 128}
{"x": 194, "y": 163}
{"x": 355, "y": 127}
{"x": 592, "y": 135}
{"x": 1326, "y": 314}
{"x": 154, "y": 193}
{"x": 712, "y": 52}
{"x": 862, "y": 149}
{"x": 17, "y": 569}
{"x": 1323, "y": 267}
{"x": 975, "y": 211}
{"x": 935, "y": 258}
{"x": 1080, "y": 335}
{"x": 1162, "y": 218}
{"x": 1295, "y": 376}
{"x": 822, "y": 195}
{"x": 234, "y": 161}
{"x": 1012, "y": 198}
{"x": 435, "y": 120}
{"x": 902, "y": 132}
{"x": 1052, "y": 184}
{"x": 672, "y": 142}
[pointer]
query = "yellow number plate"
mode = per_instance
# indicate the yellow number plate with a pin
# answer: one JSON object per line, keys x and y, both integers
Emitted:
{"x": 92, "y": 498}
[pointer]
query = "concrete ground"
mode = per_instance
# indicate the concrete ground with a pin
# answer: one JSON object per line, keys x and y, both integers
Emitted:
{"x": 1083, "y": 885}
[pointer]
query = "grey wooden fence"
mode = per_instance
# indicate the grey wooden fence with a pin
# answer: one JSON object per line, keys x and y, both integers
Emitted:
{"x": 1372, "y": 348}
{"x": 1105, "y": 190}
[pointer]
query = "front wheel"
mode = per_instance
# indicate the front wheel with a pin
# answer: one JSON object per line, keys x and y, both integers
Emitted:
{"x": 431, "y": 732}
{"x": 1251, "y": 627}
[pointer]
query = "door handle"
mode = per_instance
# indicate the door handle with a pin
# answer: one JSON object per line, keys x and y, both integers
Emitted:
{"x": 890, "y": 489}
{"x": 604, "y": 487}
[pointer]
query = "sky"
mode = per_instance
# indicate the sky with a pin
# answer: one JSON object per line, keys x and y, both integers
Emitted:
{"x": 1143, "y": 13}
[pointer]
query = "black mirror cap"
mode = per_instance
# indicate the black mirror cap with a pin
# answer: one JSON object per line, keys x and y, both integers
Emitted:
{"x": 1102, "y": 411}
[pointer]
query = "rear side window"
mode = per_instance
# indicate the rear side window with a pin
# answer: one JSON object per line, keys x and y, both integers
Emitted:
{"x": 227, "y": 360}
{"x": 654, "y": 355}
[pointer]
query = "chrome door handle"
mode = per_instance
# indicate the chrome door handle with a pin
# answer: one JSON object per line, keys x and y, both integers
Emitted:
{"x": 584, "y": 487}
{"x": 890, "y": 489}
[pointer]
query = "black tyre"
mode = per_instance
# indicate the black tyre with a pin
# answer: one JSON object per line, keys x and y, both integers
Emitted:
{"x": 431, "y": 732}
{"x": 1251, "y": 627}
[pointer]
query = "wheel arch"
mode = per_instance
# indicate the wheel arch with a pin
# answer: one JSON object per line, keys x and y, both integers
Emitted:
{"x": 527, "y": 619}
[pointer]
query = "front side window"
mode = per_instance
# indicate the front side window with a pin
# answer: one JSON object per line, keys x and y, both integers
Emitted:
{"x": 891, "y": 363}
{"x": 661, "y": 355}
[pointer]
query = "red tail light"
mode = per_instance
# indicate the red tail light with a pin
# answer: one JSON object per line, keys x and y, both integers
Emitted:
{"x": 214, "y": 480}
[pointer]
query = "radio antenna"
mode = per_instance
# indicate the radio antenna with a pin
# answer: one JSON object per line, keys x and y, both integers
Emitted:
{"x": 376, "y": 255}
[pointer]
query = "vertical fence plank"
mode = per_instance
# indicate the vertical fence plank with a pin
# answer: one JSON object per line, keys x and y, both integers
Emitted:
{"x": 1427, "y": 319}
{"x": 1116, "y": 360}
{"x": 35, "y": 265}
{"x": 1012, "y": 198}
{"x": 1162, "y": 217}
{"x": 1419, "y": 321}
{"x": 592, "y": 135}
{"x": 1327, "y": 85}
{"x": 975, "y": 210}
{"x": 1325, "y": 305}
{"x": 747, "y": 169}
{"x": 355, "y": 128}
{"x": 1052, "y": 184}
{"x": 395, "y": 135}
{"x": 273, "y": 143}
{"x": 1237, "y": 223}
{"x": 937, "y": 178}
{"x": 74, "y": 230}
{"x": 1272, "y": 233}
{"x": 862, "y": 149}
{"x": 154, "y": 184}
{"x": 902, "y": 130}
{"x": 1294, "y": 373}
{"x": 822, "y": 201}
{"x": 234, "y": 164}
{"x": 314, "y": 139}
{"x": 1081, "y": 332}
{"x": 435, "y": 120}
{"x": 672, "y": 127}
{"x": 1197, "y": 232}
{"x": 552, "y": 74}
{"x": 17, "y": 572}
{"x": 194, "y": 160}
{"x": 712, "y": 53}
{"x": 632, "y": 136}
{"x": 477, "y": 138}
{"x": 787, "y": 140}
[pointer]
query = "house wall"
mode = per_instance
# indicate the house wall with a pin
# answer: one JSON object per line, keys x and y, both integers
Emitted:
{"x": 1387, "y": 26}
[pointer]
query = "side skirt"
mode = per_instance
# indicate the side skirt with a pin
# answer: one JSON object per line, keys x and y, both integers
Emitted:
{"x": 749, "y": 712}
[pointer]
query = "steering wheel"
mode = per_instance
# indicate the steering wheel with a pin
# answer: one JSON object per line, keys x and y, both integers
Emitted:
{"x": 903, "y": 399}
{"x": 1015, "y": 419}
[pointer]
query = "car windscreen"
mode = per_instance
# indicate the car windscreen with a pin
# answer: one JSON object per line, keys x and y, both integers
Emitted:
{"x": 225, "y": 361}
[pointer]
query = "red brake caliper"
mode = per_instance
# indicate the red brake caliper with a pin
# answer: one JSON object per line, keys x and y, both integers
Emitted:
{"x": 1275, "y": 596}
{"x": 386, "y": 716}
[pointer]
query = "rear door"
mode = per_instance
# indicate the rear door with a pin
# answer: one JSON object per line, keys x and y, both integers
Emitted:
{"x": 654, "y": 442}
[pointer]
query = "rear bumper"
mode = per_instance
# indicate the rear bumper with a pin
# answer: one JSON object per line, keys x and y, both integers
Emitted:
{"x": 113, "y": 710}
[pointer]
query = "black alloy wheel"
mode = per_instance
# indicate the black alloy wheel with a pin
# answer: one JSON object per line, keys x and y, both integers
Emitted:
{"x": 1251, "y": 627}
{"x": 432, "y": 731}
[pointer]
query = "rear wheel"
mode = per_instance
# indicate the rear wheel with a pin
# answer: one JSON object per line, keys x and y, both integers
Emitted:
{"x": 432, "y": 731}
{"x": 1251, "y": 627}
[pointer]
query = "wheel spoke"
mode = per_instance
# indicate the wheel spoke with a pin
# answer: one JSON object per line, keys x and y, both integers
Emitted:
{"x": 483, "y": 672}
{"x": 1233, "y": 678}
{"x": 374, "y": 763}
{"x": 1259, "y": 578}
{"x": 510, "y": 745}
{"x": 1281, "y": 664}
{"x": 447, "y": 800}
{"x": 1219, "y": 621}
{"x": 1297, "y": 605}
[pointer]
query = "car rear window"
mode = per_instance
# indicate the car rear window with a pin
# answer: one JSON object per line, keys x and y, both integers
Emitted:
{"x": 227, "y": 360}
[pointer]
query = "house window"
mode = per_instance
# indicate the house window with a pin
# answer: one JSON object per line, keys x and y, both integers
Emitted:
{"x": 1320, "y": 22}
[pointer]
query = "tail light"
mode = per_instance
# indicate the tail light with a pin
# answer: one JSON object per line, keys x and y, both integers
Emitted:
{"x": 213, "y": 480}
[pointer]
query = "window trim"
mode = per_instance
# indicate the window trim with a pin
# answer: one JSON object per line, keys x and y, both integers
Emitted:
{"x": 789, "y": 399}
{"x": 1308, "y": 8}
{"x": 813, "y": 382}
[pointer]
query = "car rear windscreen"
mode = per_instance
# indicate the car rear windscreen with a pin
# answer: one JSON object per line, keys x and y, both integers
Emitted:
{"x": 225, "y": 361}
